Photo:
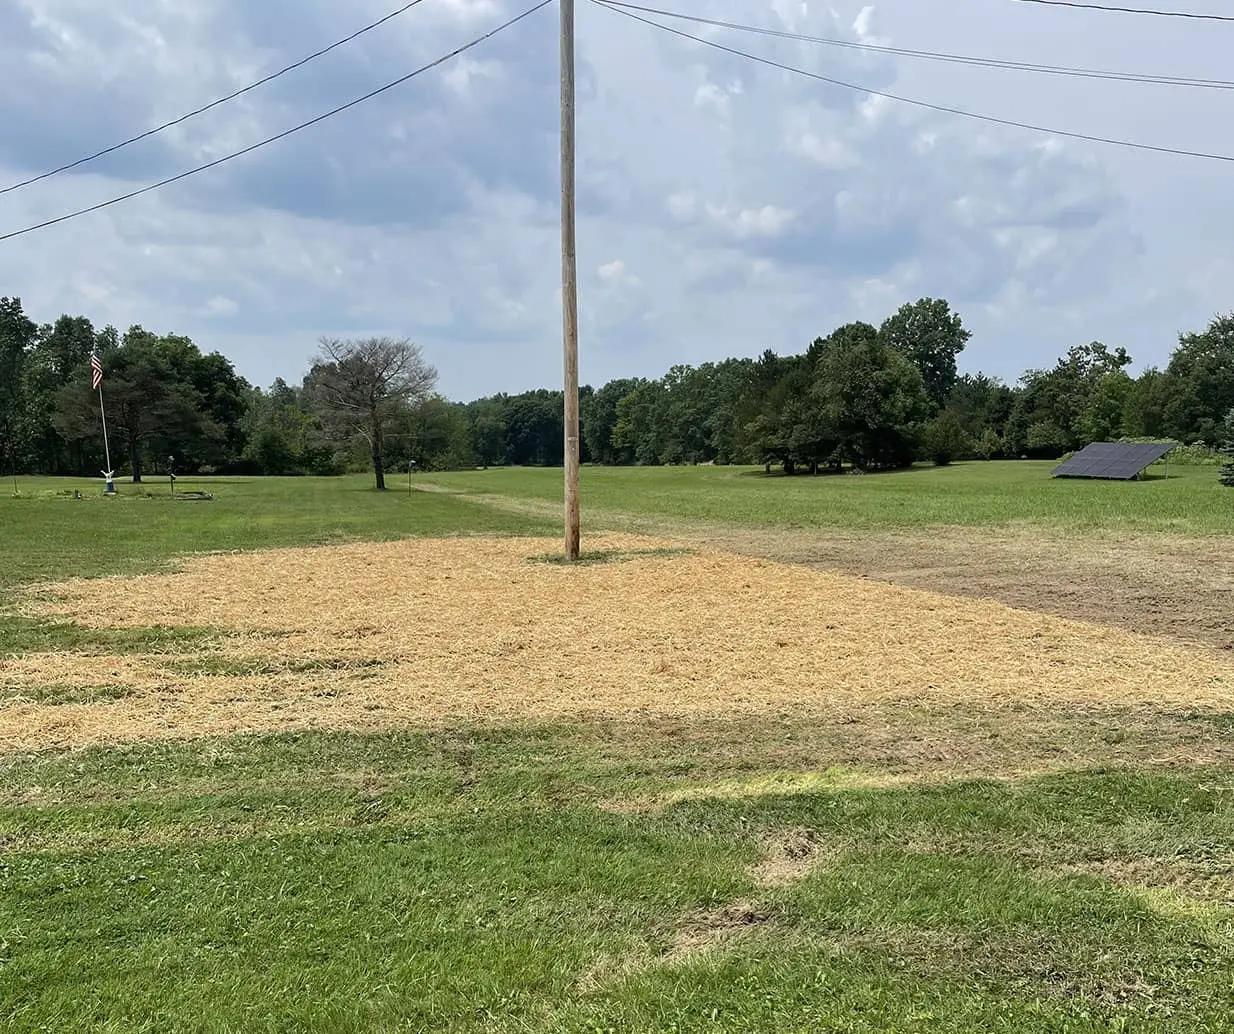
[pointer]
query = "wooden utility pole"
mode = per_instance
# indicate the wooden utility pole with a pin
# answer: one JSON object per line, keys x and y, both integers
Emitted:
{"x": 569, "y": 279}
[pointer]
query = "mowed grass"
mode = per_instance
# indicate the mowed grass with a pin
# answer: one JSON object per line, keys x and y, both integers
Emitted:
{"x": 772, "y": 875}
{"x": 46, "y": 533}
{"x": 1190, "y": 501}
{"x": 510, "y": 880}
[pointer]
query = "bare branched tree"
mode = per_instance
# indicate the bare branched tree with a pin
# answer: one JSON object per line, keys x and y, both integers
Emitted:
{"x": 357, "y": 387}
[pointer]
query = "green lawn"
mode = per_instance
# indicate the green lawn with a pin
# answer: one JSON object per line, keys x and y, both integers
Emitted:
{"x": 604, "y": 877}
{"x": 46, "y": 533}
{"x": 476, "y": 881}
{"x": 1190, "y": 501}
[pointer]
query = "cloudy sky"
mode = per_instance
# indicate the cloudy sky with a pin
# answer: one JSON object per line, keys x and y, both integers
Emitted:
{"x": 724, "y": 206}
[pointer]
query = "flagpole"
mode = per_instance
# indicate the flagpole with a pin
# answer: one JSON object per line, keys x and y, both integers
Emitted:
{"x": 103, "y": 414}
{"x": 96, "y": 372}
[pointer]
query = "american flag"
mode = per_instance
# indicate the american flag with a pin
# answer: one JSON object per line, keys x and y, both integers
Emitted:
{"x": 96, "y": 372}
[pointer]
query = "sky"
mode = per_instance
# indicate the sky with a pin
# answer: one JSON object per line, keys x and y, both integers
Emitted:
{"x": 724, "y": 206}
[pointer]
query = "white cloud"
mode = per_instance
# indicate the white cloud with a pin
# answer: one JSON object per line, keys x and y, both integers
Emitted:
{"x": 764, "y": 221}
{"x": 432, "y": 210}
{"x": 682, "y": 206}
{"x": 828, "y": 152}
{"x": 459, "y": 75}
{"x": 863, "y": 28}
{"x": 220, "y": 306}
{"x": 710, "y": 95}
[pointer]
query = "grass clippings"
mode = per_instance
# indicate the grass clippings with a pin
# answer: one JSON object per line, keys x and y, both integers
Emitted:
{"x": 467, "y": 629}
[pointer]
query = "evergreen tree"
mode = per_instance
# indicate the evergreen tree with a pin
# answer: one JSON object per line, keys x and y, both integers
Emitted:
{"x": 1226, "y": 475}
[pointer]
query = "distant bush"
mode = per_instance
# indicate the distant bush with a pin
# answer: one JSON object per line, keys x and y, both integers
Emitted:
{"x": 1045, "y": 440}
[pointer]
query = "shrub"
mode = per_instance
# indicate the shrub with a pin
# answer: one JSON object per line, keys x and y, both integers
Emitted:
{"x": 1195, "y": 455}
{"x": 944, "y": 439}
{"x": 1046, "y": 440}
{"x": 989, "y": 446}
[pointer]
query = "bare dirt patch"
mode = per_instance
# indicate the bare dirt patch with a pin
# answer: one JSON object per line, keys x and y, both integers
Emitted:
{"x": 1204, "y": 879}
{"x": 1172, "y": 586}
{"x": 475, "y": 630}
{"x": 703, "y": 931}
{"x": 788, "y": 857}
{"x": 695, "y": 935}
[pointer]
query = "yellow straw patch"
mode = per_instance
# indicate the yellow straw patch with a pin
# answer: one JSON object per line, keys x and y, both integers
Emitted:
{"x": 422, "y": 632}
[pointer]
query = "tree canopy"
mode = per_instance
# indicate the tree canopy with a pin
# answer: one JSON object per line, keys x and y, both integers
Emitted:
{"x": 365, "y": 388}
{"x": 859, "y": 396}
{"x": 932, "y": 337}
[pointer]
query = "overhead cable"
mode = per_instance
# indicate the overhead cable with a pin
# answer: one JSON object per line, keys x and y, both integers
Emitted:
{"x": 961, "y": 59}
{"x": 213, "y": 104}
{"x": 1157, "y": 12}
{"x": 278, "y": 136}
{"x": 946, "y": 109}
{"x": 253, "y": 147}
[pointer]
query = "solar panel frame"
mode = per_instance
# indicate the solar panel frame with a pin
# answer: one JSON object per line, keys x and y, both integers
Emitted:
{"x": 1113, "y": 461}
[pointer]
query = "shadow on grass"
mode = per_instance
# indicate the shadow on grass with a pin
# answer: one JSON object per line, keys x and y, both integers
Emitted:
{"x": 609, "y": 556}
{"x": 1062, "y": 903}
{"x": 828, "y": 473}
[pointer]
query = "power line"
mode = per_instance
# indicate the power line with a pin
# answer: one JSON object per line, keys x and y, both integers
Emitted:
{"x": 961, "y": 59}
{"x": 1133, "y": 10}
{"x": 213, "y": 104}
{"x": 1092, "y": 138}
{"x": 278, "y": 136}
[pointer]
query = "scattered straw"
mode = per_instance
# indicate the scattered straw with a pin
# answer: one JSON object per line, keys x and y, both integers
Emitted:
{"x": 474, "y": 629}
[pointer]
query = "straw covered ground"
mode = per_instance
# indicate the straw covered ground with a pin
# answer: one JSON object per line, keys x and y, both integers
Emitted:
{"x": 424, "y": 632}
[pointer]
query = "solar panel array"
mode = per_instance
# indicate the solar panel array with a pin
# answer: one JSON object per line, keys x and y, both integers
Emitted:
{"x": 1118, "y": 460}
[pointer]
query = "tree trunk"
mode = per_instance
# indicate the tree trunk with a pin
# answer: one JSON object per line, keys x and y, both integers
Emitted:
{"x": 379, "y": 471}
{"x": 135, "y": 461}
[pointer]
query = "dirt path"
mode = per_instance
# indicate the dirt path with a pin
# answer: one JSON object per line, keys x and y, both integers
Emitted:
{"x": 1174, "y": 586}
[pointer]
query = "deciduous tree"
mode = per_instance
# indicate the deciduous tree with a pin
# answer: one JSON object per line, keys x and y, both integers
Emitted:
{"x": 150, "y": 406}
{"x": 1047, "y": 419}
{"x": 931, "y": 336}
{"x": 358, "y": 386}
{"x": 872, "y": 398}
{"x": 1203, "y": 367}
{"x": 944, "y": 439}
{"x": 599, "y": 418}
{"x": 17, "y": 335}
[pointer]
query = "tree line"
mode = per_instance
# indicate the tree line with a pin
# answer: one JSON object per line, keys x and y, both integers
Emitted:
{"x": 863, "y": 397}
